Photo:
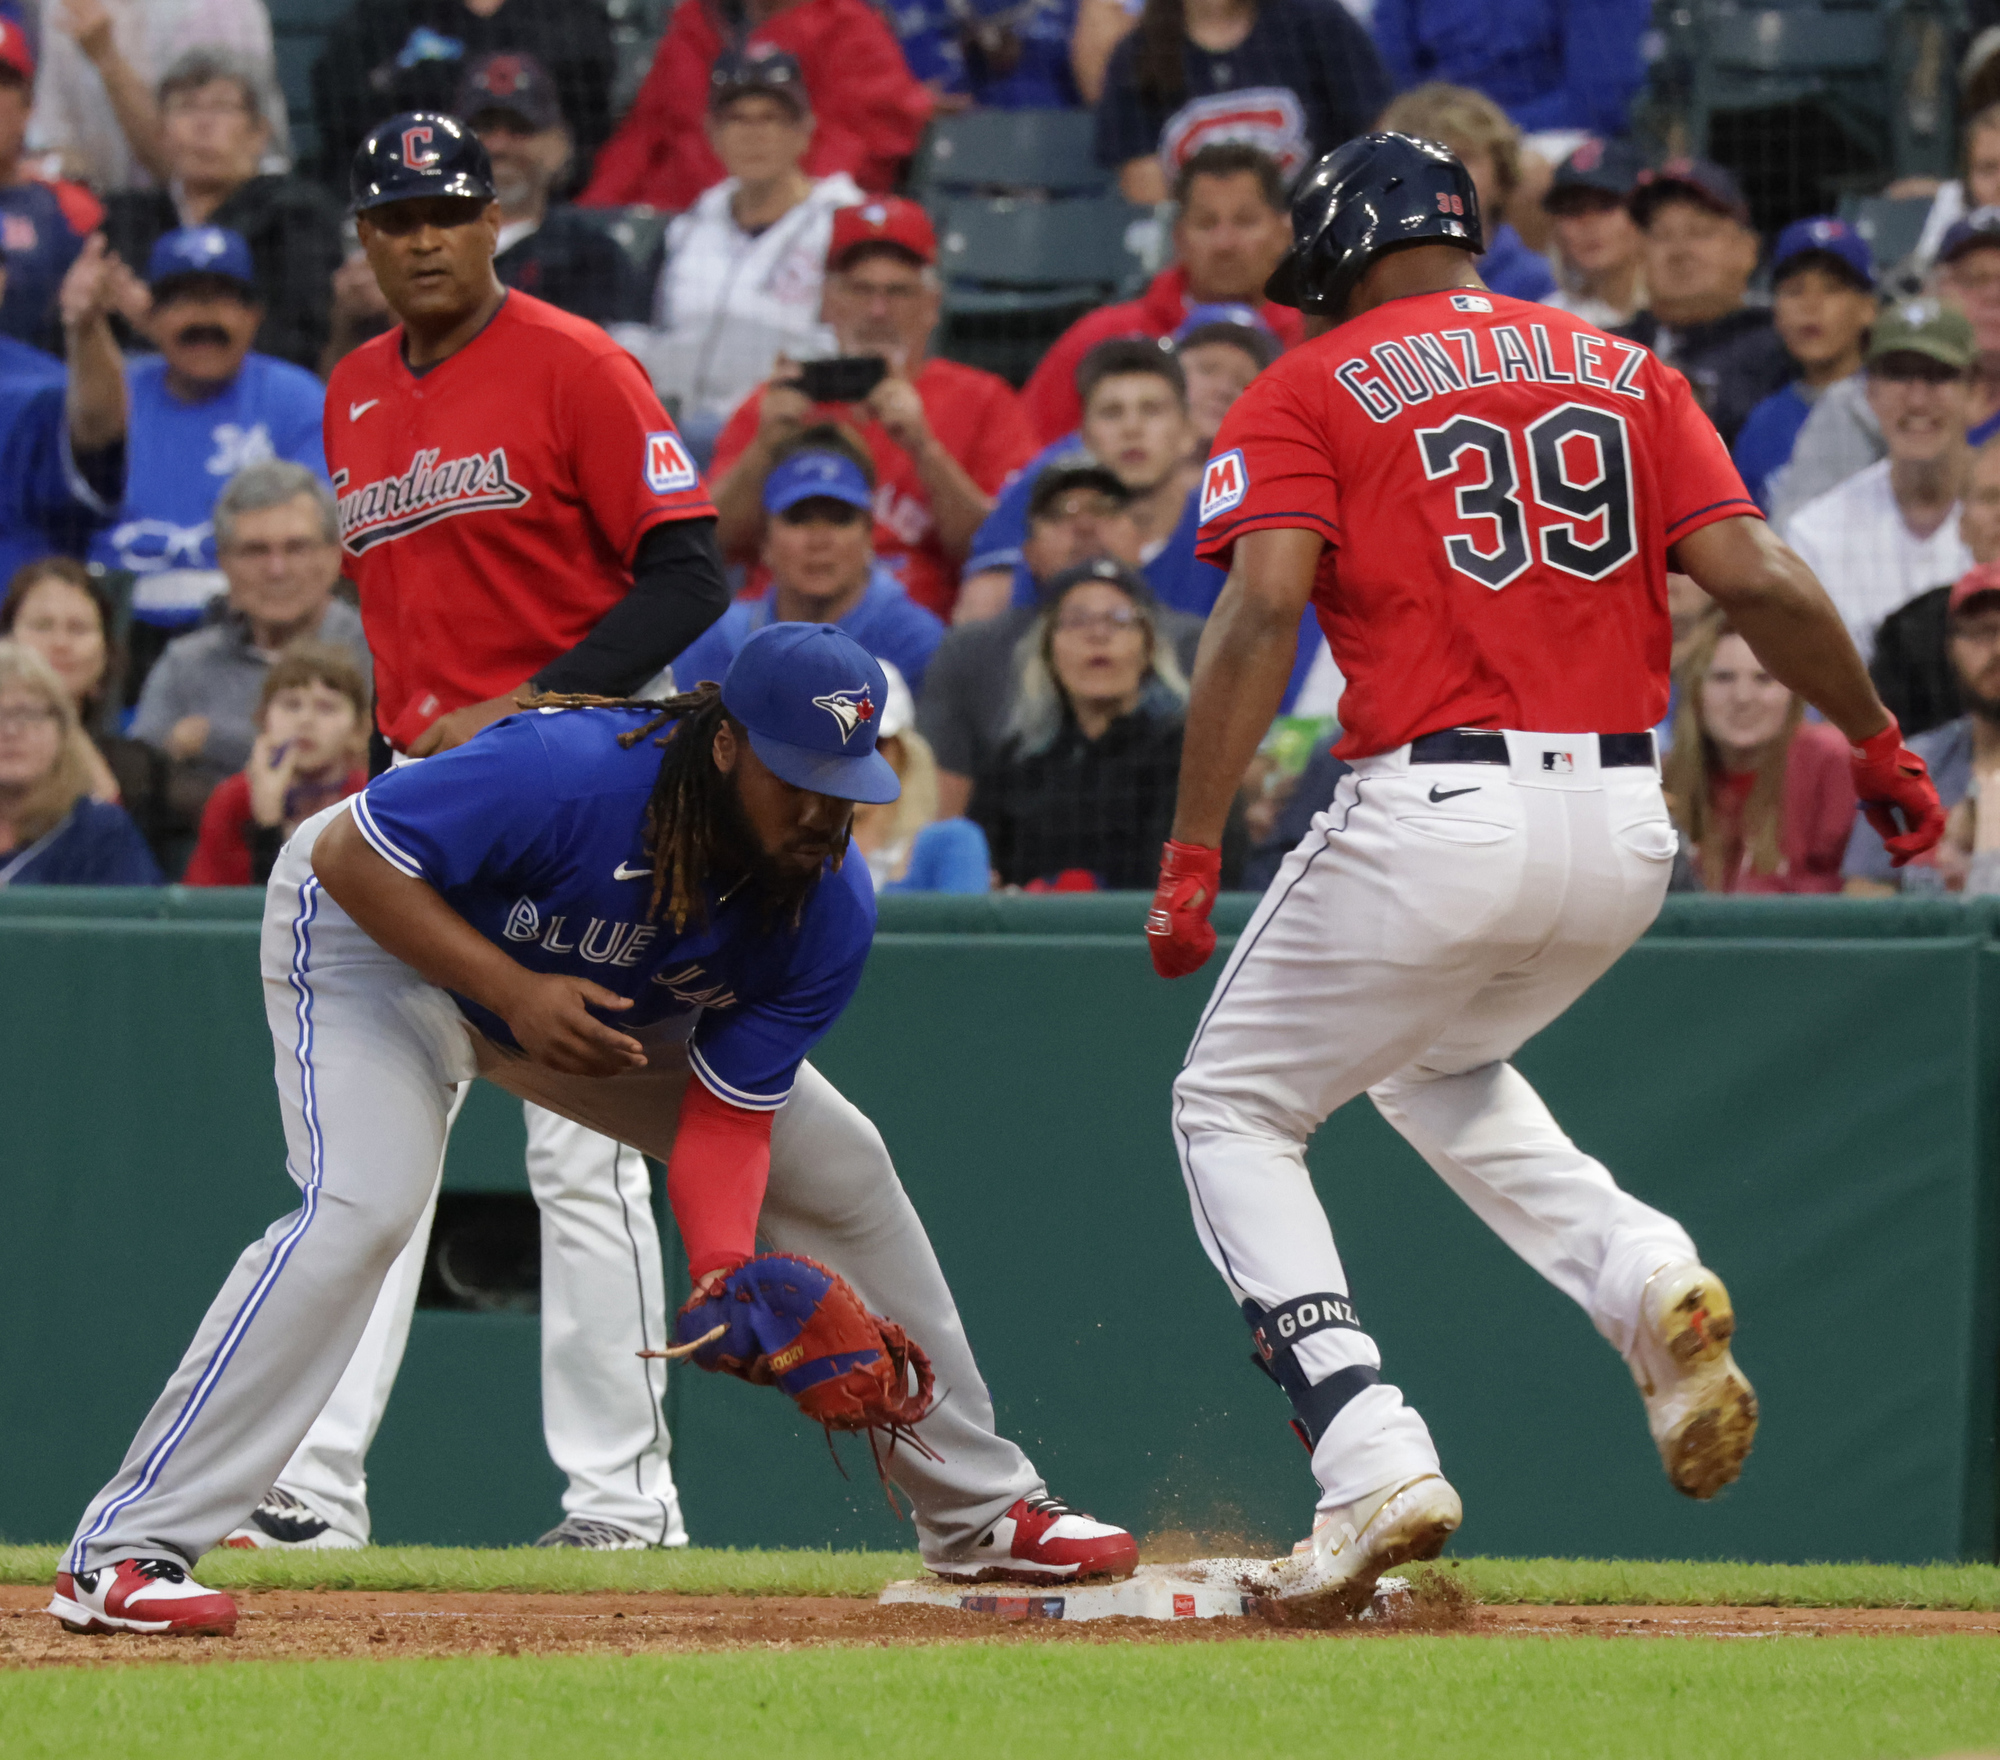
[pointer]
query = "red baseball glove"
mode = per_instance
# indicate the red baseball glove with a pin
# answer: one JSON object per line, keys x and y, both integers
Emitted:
{"x": 1891, "y": 779}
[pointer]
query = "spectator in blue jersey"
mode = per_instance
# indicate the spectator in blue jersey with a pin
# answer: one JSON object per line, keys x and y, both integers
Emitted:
{"x": 202, "y": 408}
{"x": 1551, "y": 64}
{"x": 62, "y": 432}
{"x": 1489, "y": 146}
{"x": 1822, "y": 303}
{"x": 820, "y": 551}
{"x": 1136, "y": 424}
{"x": 997, "y": 54}
{"x": 52, "y": 833}
{"x": 1293, "y": 78}
{"x": 42, "y": 223}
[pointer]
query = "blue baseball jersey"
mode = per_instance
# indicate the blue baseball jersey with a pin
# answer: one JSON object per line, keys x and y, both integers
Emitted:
{"x": 888, "y": 623}
{"x": 534, "y": 832}
{"x": 178, "y": 458}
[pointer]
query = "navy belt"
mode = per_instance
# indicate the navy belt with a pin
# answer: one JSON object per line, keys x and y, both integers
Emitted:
{"x": 1477, "y": 745}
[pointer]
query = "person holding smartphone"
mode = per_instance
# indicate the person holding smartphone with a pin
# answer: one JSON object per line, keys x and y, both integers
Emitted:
{"x": 944, "y": 437}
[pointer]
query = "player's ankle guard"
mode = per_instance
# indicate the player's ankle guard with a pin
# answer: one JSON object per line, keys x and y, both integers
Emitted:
{"x": 1277, "y": 1332}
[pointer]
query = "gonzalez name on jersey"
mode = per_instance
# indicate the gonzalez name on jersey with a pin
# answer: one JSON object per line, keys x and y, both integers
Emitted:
{"x": 1463, "y": 551}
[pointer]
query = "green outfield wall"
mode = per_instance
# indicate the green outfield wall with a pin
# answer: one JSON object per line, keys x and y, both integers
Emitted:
{"x": 1808, "y": 1084}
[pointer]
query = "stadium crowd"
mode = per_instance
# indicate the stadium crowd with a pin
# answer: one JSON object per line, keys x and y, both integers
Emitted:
{"x": 183, "y": 675}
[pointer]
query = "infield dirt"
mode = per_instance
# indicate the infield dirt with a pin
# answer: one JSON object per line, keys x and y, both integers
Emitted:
{"x": 298, "y": 1625}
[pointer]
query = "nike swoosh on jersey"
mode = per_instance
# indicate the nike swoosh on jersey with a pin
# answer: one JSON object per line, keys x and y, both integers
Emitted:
{"x": 1450, "y": 794}
{"x": 355, "y": 411}
{"x": 621, "y": 872}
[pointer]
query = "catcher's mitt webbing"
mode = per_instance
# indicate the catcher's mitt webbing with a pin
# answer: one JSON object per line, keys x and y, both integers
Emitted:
{"x": 788, "y": 1321}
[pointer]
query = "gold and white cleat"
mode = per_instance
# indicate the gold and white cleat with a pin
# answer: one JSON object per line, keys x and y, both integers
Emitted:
{"x": 1699, "y": 1405}
{"x": 1333, "y": 1574}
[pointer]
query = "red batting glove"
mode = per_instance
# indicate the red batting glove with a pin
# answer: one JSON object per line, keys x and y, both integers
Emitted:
{"x": 1178, "y": 932}
{"x": 1892, "y": 779}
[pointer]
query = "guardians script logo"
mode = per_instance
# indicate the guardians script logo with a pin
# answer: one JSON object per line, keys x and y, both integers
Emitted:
{"x": 393, "y": 507}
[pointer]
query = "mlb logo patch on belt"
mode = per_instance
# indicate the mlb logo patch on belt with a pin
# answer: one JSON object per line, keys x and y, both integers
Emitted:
{"x": 1559, "y": 763}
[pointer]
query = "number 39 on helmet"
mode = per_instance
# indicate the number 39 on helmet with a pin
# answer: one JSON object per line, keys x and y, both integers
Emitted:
{"x": 1376, "y": 194}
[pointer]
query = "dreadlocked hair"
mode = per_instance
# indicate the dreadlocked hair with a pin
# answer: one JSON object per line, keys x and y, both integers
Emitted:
{"x": 685, "y": 814}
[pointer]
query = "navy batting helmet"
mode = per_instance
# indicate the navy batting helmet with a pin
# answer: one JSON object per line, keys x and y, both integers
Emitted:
{"x": 1376, "y": 194}
{"x": 419, "y": 153}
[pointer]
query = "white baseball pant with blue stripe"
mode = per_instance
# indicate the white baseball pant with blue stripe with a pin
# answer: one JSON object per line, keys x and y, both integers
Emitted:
{"x": 1434, "y": 918}
{"x": 368, "y": 1060}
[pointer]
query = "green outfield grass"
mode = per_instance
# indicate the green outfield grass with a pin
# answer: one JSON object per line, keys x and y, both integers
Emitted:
{"x": 713, "y": 1571}
{"x": 1438, "y": 1698}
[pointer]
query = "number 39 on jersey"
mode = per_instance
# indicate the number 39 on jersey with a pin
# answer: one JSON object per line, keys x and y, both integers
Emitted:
{"x": 1578, "y": 477}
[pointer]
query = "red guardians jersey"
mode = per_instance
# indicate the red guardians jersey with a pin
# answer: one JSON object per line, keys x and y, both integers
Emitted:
{"x": 1497, "y": 484}
{"x": 490, "y": 506}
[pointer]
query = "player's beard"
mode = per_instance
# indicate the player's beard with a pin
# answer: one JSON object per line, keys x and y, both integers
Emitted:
{"x": 779, "y": 889}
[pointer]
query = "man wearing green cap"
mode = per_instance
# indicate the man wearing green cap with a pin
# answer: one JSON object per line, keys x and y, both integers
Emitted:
{"x": 1891, "y": 531}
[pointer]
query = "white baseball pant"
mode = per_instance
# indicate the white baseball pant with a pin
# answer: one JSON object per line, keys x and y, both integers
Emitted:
{"x": 369, "y": 1061}
{"x": 1434, "y": 918}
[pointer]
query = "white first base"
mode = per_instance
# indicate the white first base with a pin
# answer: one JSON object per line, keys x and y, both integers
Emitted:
{"x": 1209, "y": 1588}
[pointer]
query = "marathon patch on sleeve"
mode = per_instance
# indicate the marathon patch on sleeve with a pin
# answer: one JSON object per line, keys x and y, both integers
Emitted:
{"x": 668, "y": 467}
{"x": 1224, "y": 484}
{"x": 1281, "y": 1328}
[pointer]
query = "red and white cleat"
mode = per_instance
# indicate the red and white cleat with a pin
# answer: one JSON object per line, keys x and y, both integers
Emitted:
{"x": 151, "y": 1595}
{"x": 1040, "y": 1540}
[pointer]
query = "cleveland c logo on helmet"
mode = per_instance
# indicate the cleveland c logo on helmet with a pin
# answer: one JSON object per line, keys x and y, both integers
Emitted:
{"x": 849, "y": 709}
{"x": 417, "y": 152}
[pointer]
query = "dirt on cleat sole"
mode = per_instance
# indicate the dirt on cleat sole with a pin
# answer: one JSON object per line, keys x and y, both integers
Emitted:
{"x": 1712, "y": 1445}
{"x": 1416, "y": 1540}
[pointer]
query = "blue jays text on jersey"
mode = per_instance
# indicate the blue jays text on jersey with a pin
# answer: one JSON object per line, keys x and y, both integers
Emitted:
{"x": 535, "y": 833}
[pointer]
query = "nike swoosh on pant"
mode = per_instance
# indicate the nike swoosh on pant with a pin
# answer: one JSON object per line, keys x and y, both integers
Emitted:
{"x": 1450, "y": 794}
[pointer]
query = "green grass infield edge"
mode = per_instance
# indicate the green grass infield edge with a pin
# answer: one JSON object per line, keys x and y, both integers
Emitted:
{"x": 714, "y": 1571}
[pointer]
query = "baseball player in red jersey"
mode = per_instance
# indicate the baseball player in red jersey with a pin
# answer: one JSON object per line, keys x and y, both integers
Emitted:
{"x": 1481, "y": 498}
{"x": 517, "y": 511}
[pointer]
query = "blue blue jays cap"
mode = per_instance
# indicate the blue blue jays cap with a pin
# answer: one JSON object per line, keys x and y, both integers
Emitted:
{"x": 1199, "y": 317}
{"x": 1824, "y": 236}
{"x": 811, "y": 700}
{"x": 201, "y": 250}
{"x": 817, "y": 476}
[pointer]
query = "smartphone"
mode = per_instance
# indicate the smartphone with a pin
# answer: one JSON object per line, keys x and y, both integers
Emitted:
{"x": 846, "y": 378}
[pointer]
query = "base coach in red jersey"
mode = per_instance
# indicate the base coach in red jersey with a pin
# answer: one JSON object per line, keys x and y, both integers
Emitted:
{"x": 518, "y": 514}
{"x": 1480, "y": 498}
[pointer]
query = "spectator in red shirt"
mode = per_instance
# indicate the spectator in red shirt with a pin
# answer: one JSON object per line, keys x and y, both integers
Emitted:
{"x": 312, "y": 735}
{"x": 944, "y": 437}
{"x": 869, "y": 110}
{"x": 1763, "y": 796}
{"x": 1234, "y": 225}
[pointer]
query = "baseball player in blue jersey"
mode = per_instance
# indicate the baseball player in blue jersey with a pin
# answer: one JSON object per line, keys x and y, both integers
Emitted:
{"x": 638, "y": 917}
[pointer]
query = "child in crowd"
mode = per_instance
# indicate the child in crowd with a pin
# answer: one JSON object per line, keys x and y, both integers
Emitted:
{"x": 1822, "y": 304}
{"x": 312, "y": 734}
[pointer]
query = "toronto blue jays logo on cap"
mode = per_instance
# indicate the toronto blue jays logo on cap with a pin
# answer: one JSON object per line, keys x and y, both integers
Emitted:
{"x": 850, "y": 709}
{"x": 808, "y": 697}
{"x": 201, "y": 250}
